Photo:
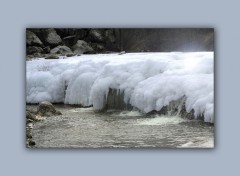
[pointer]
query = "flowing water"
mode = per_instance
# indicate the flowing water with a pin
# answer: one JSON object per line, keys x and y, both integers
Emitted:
{"x": 85, "y": 128}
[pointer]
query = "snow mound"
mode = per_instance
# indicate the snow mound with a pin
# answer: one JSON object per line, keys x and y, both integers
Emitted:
{"x": 149, "y": 80}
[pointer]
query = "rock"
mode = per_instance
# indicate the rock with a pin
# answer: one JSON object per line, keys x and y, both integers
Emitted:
{"x": 32, "y": 39}
{"x": 30, "y": 116}
{"x": 33, "y": 50}
{"x": 122, "y": 52}
{"x": 52, "y": 56}
{"x": 46, "y": 108}
{"x": 97, "y": 47}
{"x": 110, "y": 36}
{"x": 51, "y": 37}
{"x": 46, "y": 49}
{"x": 62, "y": 50}
{"x": 70, "y": 55}
{"x": 82, "y": 47}
{"x": 70, "y": 40}
{"x": 31, "y": 143}
{"x": 95, "y": 36}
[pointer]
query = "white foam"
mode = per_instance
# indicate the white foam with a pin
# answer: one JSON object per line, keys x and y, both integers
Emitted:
{"x": 130, "y": 114}
{"x": 161, "y": 120}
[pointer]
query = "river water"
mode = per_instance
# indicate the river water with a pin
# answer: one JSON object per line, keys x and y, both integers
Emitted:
{"x": 85, "y": 128}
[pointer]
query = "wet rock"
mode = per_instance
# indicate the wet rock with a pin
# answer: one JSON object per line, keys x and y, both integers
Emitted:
{"x": 32, "y": 39}
{"x": 31, "y": 143}
{"x": 115, "y": 100}
{"x": 46, "y": 108}
{"x": 34, "y": 49}
{"x": 30, "y": 116}
{"x": 62, "y": 50}
{"x": 82, "y": 47}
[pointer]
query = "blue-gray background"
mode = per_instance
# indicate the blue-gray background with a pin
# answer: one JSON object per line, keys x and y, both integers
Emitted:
{"x": 15, "y": 16}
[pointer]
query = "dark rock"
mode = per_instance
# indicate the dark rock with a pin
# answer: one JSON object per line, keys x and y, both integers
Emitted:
{"x": 95, "y": 36}
{"x": 46, "y": 49}
{"x": 31, "y": 143}
{"x": 37, "y": 55}
{"x": 62, "y": 50}
{"x": 33, "y": 50}
{"x": 82, "y": 47}
{"x": 52, "y": 56}
{"x": 98, "y": 47}
{"x": 77, "y": 32}
{"x": 115, "y": 100}
{"x": 166, "y": 39}
{"x": 110, "y": 36}
{"x": 46, "y": 108}
{"x": 70, "y": 55}
{"x": 32, "y": 39}
{"x": 70, "y": 40}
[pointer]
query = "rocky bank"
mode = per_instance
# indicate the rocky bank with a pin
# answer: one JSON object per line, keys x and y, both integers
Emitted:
{"x": 50, "y": 43}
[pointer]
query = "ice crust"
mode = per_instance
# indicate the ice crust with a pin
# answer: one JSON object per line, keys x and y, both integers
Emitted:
{"x": 149, "y": 80}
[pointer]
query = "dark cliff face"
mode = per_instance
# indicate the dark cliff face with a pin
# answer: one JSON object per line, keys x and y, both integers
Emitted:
{"x": 167, "y": 39}
{"x": 52, "y": 42}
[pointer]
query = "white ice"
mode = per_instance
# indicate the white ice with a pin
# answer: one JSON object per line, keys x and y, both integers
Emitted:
{"x": 149, "y": 80}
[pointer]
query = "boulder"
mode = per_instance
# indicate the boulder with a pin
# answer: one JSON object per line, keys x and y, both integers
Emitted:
{"x": 95, "y": 36}
{"x": 46, "y": 108}
{"x": 30, "y": 116}
{"x": 34, "y": 49}
{"x": 70, "y": 40}
{"x": 63, "y": 50}
{"x": 82, "y": 47}
{"x": 51, "y": 37}
{"x": 32, "y": 39}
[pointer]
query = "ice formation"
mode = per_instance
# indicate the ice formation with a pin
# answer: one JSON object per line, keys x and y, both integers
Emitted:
{"x": 149, "y": 80}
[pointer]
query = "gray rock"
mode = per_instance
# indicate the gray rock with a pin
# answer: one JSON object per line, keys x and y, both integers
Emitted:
{"x": 82, "y": 47}
{"x": 51, "y": 37}
{"x": 34, "y": 49}
{"x": 32, "y": 39}
{"x": 46, "y": 108}
{"x": 52, "y": 56}
{"x": 95, "y": 36}
{"x": 30, "y": 116}
{"x": 63, "y": 50}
